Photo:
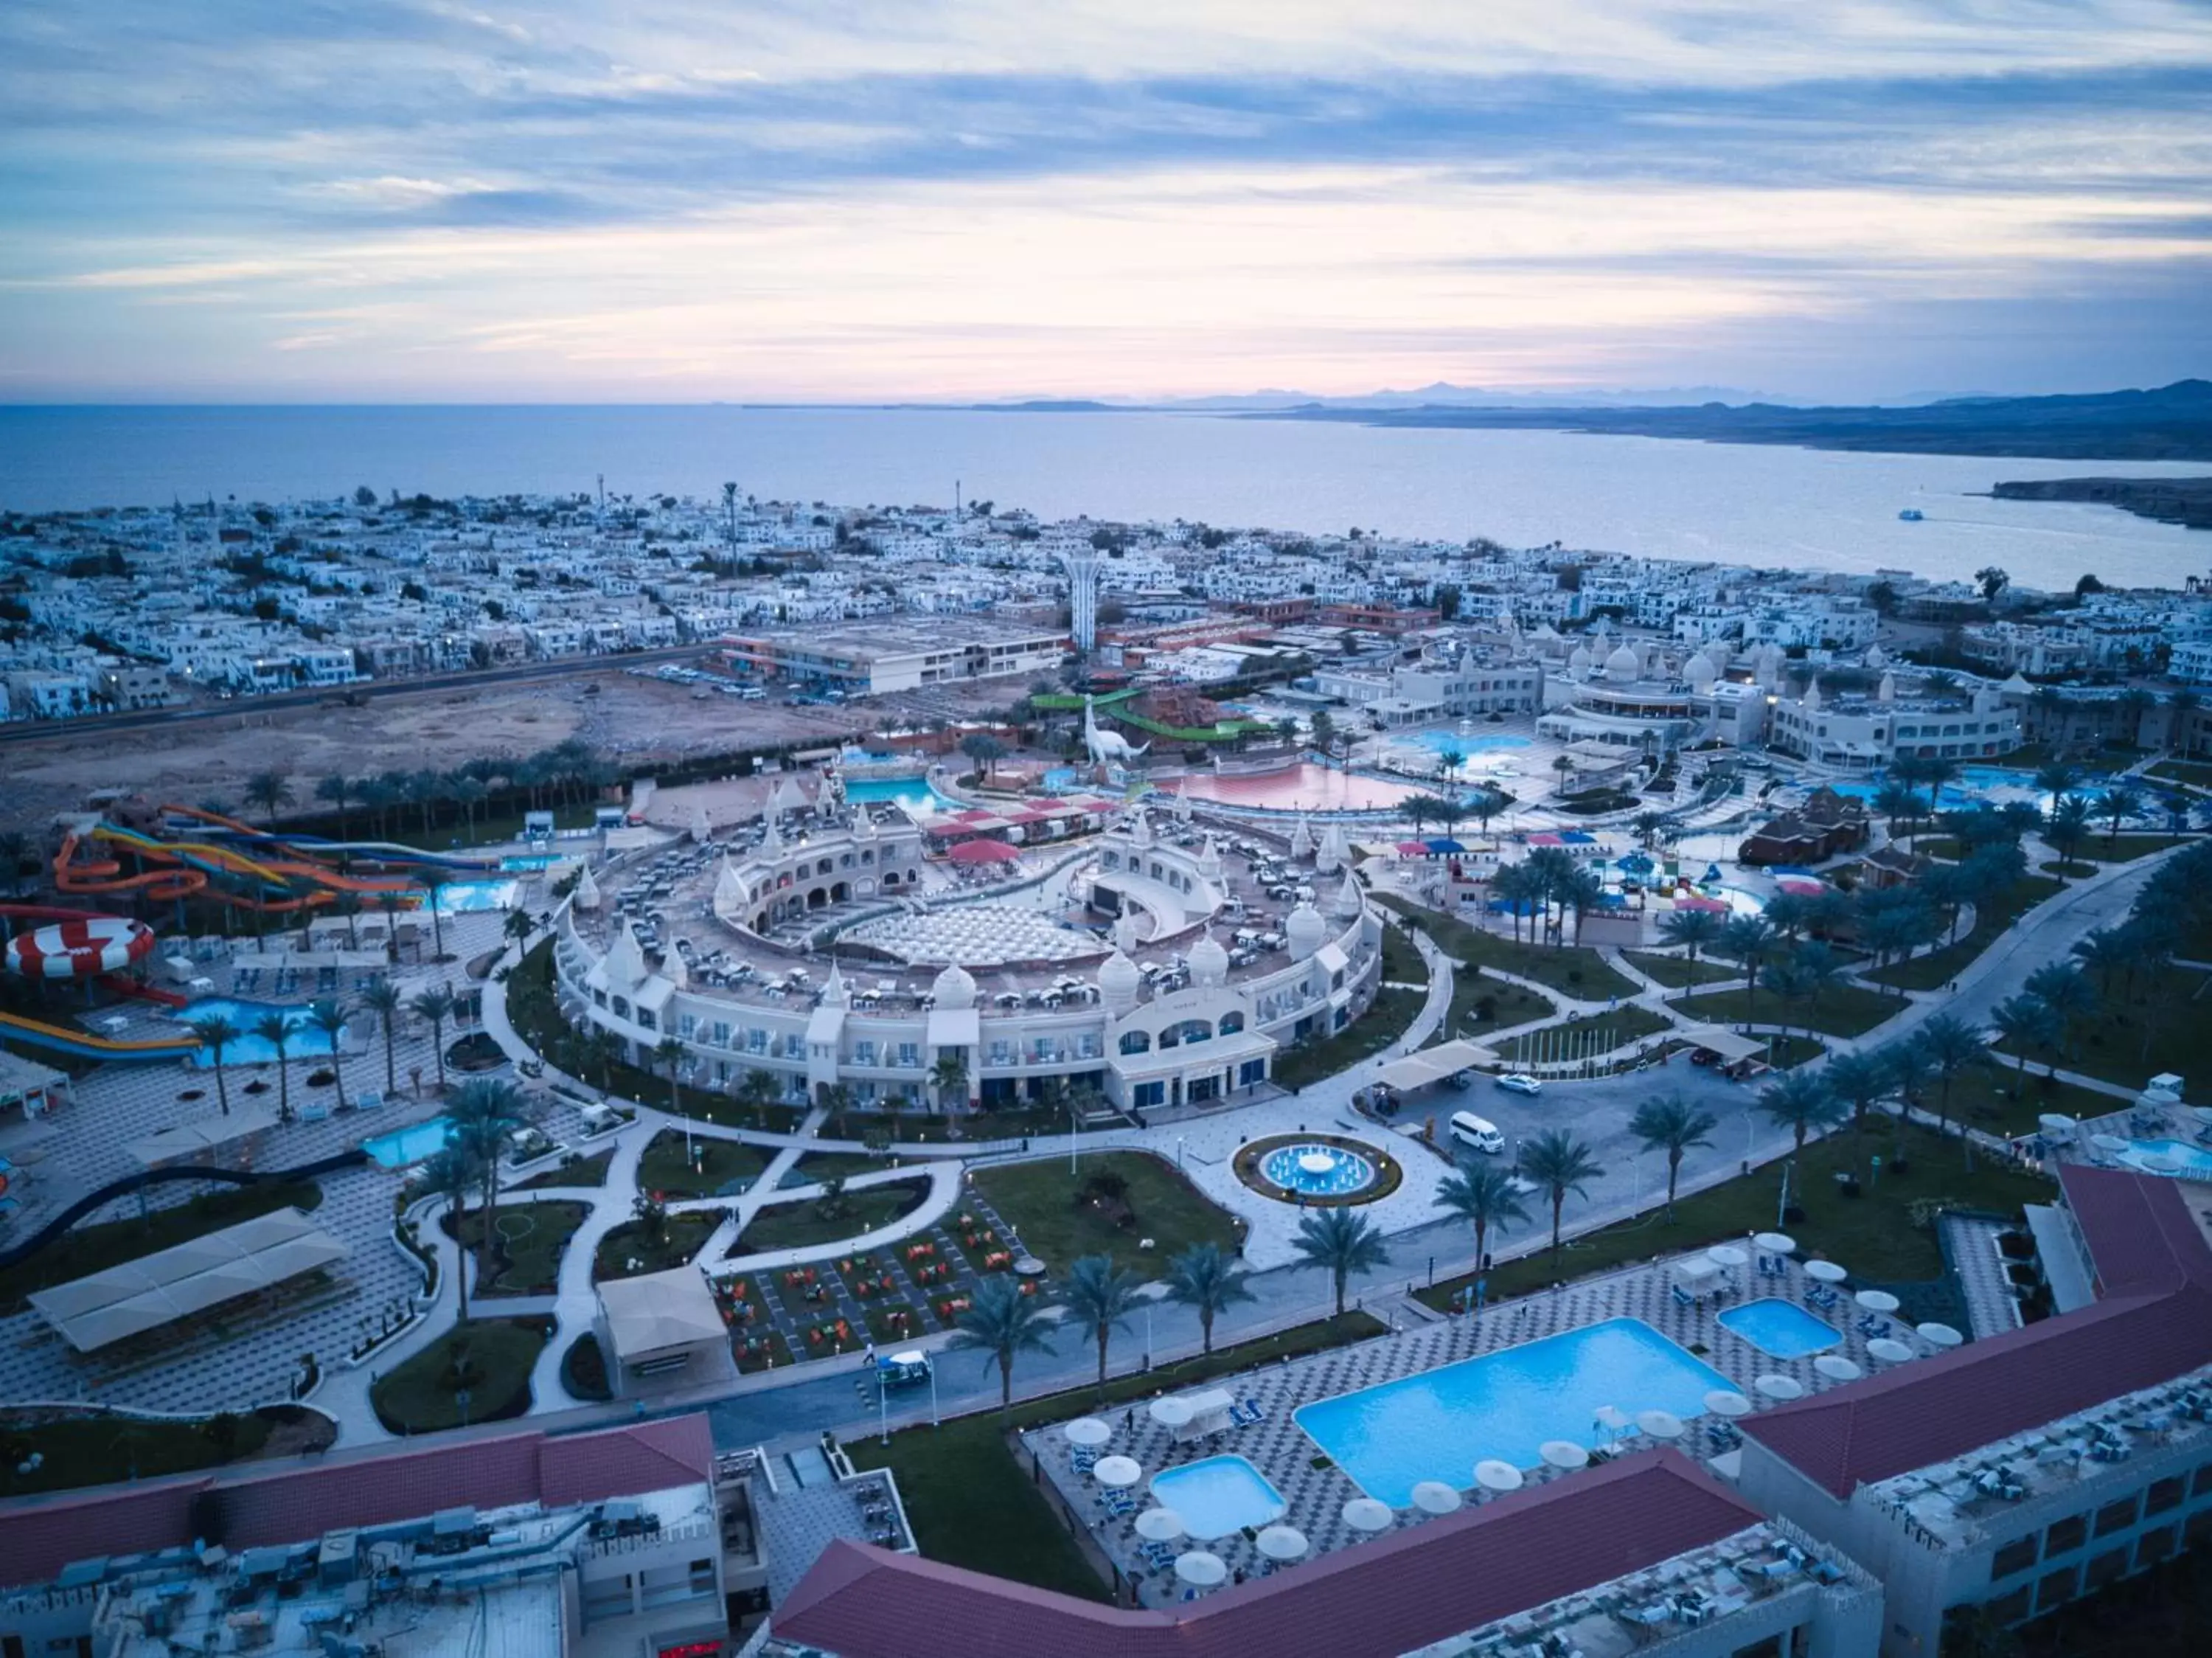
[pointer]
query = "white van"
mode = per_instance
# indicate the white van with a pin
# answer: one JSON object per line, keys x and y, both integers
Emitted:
{"x": 1470, "y": 1130}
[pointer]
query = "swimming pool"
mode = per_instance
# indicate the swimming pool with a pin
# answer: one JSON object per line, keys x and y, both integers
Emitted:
{"x": 1781, "y": 1329}
{"x": 405, "y": 1147}
{"x": 2140, "y": 1155}
{"x": 461, "y": 897}
{"x": 1437, "y": 1425}
{"x": 915, "y": 794}
{"x": 300, "y": 1037}
{"x": 532, "y": 862}
{"x": 1440, "y": 738}
{"x": 1217, "y": 1496}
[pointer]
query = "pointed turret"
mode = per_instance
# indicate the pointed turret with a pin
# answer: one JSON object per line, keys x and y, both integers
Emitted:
{"x": 626, "y": 968}
{"x": 1301, "y": 840}
{"x": 587, "y": 890}
{"x": 1333, "y": 852}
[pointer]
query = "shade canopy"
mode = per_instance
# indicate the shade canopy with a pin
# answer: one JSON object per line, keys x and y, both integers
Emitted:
{"x": 659, "y": 1312}
{"x": 1728, "y": 1255}
{"x": 1697, "y": 1269}
{"x": 1660, "y": 1424}
{"x": 2108, "y": 1143}
{"x": 1723, "y": 1403}
{"x": 1169, "y": 1412}
{"x": 1563, "y": 1454}
{"x": 1826, "y": 1272}
{"x": 1434, "y": 1496}
{"x": 1836, "y": 1368}
{"x": 1877, "y": 1301}
{"x": 984, "y": 852}
{"x": 1365, "y": 1513}
{"x": 1611, "y": 1416}
{"x": 1494, "y": 1475}
{"x": 1200, "y": 1567}
{"x": 1888, "y": 1352}
{"x": 2054, "y": 1123}
{"x": 1117, "y": 1471}
{"x": 1087, "y": 1431}
{"x": 1779, "y": 1387}
{"x": 1939, "y": 1335}
{"x": 1160, "y": 1525}
{"x": 1776, "y": 1243}
{"x": 1281, "y": 1542}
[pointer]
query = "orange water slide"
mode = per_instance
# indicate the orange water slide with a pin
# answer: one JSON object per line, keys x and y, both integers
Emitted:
{"x": 100, "y": 874}
{"x": 294, "y": 866}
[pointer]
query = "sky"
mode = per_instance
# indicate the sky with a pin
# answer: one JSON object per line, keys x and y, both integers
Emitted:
{"x": 859, "y": 200}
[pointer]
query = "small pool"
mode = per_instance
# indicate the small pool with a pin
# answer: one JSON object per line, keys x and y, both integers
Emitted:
{"x": 531, "y": 862}
{"x": 2141, "y": 1152}
{"x": 461, "y": 897}
{"x": 1437, "y": 1425}
{"x": 1442, "y": 739}
{"x": 301, "y": 1038}
{"x": 403, "y": 1148}
{"x": 1782, "y": 1329}
{"x": 1218, "y": 1496}
{"x": 914, "y": 794}
{"x": 1318, "y": 1171}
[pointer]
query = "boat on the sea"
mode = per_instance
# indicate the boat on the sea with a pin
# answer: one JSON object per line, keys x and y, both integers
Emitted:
{"x": 1913, "y": 514}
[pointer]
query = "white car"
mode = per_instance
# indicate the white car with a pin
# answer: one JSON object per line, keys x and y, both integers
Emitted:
{"x": 1520, "y": 1082}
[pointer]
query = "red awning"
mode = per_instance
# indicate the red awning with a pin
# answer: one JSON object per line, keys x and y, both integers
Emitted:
{"x": 982, "y": 851}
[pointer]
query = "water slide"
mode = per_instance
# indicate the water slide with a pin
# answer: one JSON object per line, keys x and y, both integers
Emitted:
{"x": 123, "y": 984}
{"x": 20, "y": 1029}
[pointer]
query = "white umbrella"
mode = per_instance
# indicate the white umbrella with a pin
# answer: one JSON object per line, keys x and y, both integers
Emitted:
{"x": 1494, "y": 1475}
{"x": 1564, "y": 1453}
{"x": 1723, "y": 1403}
{"x": 1365, "y": 1513}
{"x": 1877, "y": 1301}
{"x": 1660, "y": 1424}
{"x": 1727, "y": 1255}
{"x": 2108, "y": 1143}
{"x": 1169, "y": 1412}
{"x": 2158, "y": 1162}
{"x": 1200, "y": 1569}
{"x": 1776, "y": 1243}
{"x": 1117, "y": 1471}
{"x": 1836, "y": 1368}
{"x": 1776, "y": 1387}
{"x": 1087, "y": 1431}
{"x": 1281, "y": 1542}
{"x": 1888, "y": 1352}
{"x": 2054, "y": 1123}
{"x": 1939, "y": 1335}
{"x": 1826, "y": 1272}
{"x": 1434, "y": 1496}
{"x": 1611, "y": 1418}
{"x": 1160, "y": 1525}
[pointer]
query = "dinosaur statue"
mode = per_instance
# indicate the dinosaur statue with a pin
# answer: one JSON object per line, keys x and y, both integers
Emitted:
{"x": 1105, "y": 748}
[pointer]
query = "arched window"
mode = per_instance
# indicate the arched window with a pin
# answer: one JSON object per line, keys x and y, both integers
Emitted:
{"x": 1231, "y": 1023}
{"x": 1190, "y": 1030}
{"x": 1135, "y": 1042}
{"x": 890, "y": 877}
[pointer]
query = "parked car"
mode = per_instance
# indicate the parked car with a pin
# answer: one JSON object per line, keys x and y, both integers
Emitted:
{"x": 1520, "y": 1082}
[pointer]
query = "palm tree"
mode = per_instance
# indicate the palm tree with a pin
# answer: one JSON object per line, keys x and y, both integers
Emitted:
{"x": 669, "y": 1052}
{"x": 215, "y": 1035}
{"x": 1647, "y": 827}
{"x": 1515, "y": 889}
{"x": 270, "y": 791}
{"x": 1899, "y": 805}
{"x": 2181, "y": 724}
{"x": 328, "y": 1016}
{"x": 2061, "y": 986}
{"x": 948, "y": 1079}
{"x": 838, "y": 1097}
{"x": 2115, "y": 803}
{"x": 1693, "y": 930}
{"x": 389, "y": 902}
{"x": 756, "y": 1091}
{"x": 1002, "y": 1322}
{"x": 1746, "y": 941}
{"x": 1858, "y": 1080}
{"x": 1483, "y": 1195}
{"x": 1800, "y": 1101}
{"x": 275, "y": 1029}
{"x": 337, "y": 790}
{"x": 435, "y": 1004}
{"x": 1789, "y": 981}
{"x": 1208, "y": 1282}
{"x": 2056, "y": 778}
{"x": 1099, "y": 1294}
{"x": 450, "y": 1174}
{"x": 1559, "y": 1163}
{"x": 518, "y": 926}
{"x": 1951, "y": 1045}
{"x": 381, "y": 998}
{"x": 2028, "y": 1024}
{"x": 985, "y": 750}
{"x": 2066, "y": 827}
{"x": 1341, "y": 1243}
{"x": 1672, "y": 1124}
{"x": 431, "y": 880}
{"x": 481, "y": 1116}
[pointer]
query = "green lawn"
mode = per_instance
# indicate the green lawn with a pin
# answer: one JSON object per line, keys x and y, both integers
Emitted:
{"x": 683, "y": 1239}
{"x": 1997, "y": 1097}
{"x": 2166, "y": 1026}
{"x": 1402, "y": 963}
{"x": 2195, "y": 773}
{"x": 584, "y": 1368}
{"x": 801, "y": 1224}
{"x": 1388, "y": 1018}
{"x": 1570, "y": 969}
{"x": 1940, "y": 966}
{"x": 717, "y": 1167}
{"x": 533, "y": 1239}
{"x": 2068, "y": 871}
{"x": 98, "y": 1449}
{"x": 1876, "y": 1235}
{"x": 1482, "y": 1004}
{"x": 1046, "y": 1206}
{"x": 1839, "y": 1010}
{"x": 1679, "y": 973}
{"x": 2126, "y": 849}
{"x": 972, "y": 1503}
{"x": 424, "y": 1395}
{"x": 85, "y": 1250}
{"x": 583, "y": 1172}
{"x": 814, "y": 1166}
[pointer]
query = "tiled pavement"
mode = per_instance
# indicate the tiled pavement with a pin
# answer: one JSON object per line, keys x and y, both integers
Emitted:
{"x": 1991, "y": 1307}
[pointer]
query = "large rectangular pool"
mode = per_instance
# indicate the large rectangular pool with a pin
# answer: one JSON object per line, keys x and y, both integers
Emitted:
{"x": 1780, "y": 1329}
{"x": 1217, "y": 1496}
{"x": 404, "y": 1148}
{"x": 301, "y": 1038}
{"x": 1437, "y": 1425}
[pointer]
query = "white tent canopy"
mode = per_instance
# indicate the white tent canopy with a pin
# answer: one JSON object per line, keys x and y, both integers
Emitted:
{"x": 1417, "y": 1071}
{"x": 1724, "y": 1041}
{"x": 659, "y": 1312}
{"x": 200, "y": 1140}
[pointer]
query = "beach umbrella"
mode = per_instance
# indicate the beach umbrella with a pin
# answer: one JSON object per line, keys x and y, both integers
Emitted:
{"x": 1365, "y": 1513}
{"x": 1877, "y": 1301}
{"x": 1117, "y": 1471}
{"x": 1776, "y": 1387}
{"x": 1564, "y": 1453}
{"x": 1776, "y": 1243}
{"x": 1888, "y": 1352}
{"x": 2056, "y": 1125}
{"x": 1281, "y": 1542}
{"x": 1826, "y": 1272}
{"x": 1494, "y": 1475}
{"x": 1169, "y": 1412}
{"x": 2158, "y": 1162}
{"x": 1727, "y": 1255}
{"x": 1722, "y": 1402}
{"x": 1086, "y": 1430}
{"x": 1938, "y": 1335}
{"x": 1660, "y": 1424}
{"x": 1836, "y": 1368}
{"x": 2108, "y": 1143}
{"x": 1200, "y": 1569}
{"x": 1611, "y": 1418}
{"x": 1434, "y": 1496}
{"x": 1160, "y": 1525}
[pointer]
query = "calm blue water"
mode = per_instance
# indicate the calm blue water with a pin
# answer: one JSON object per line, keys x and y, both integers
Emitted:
{"x": 1735, "y": 504}
{"x": 405, "y": 1147}
{"x": 1437, "y": 1425}
{"x": 2180, "y": 1151}
{"x": 532, "y": 861}
{"x": 913, "y": 793}
{"x": 1348, "y": 1171}
{"x": 460, "y": 897}
{"x": 301, "y": 1038}
{"x": 1217, "y": 1496}
{"x": 1780, "y": 1328}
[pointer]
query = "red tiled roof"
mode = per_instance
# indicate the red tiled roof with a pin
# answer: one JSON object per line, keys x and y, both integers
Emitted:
{"x": 2141, "y": 1234}
{"x": 1406, "y": 1591}
{"x": 295, "y": 1504}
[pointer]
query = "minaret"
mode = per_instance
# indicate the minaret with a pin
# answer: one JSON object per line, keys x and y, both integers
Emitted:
{"x": 1082, "y": 562}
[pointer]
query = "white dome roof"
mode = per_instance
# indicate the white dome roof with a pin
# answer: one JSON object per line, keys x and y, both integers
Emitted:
{"x": 1699, "y": 671}
{"x": 1209, "y": 962}
{"x": 955, "y": 989}
{"x": 1876, "y": 657}
{"x": 1118, "y": 976}
{"x": 1579, "y": 659}
{"x": 1623, "y": 664}
{"x": 1305, "y": 931}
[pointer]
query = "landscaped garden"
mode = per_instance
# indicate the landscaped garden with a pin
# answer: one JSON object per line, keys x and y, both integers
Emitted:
{"x": 1571, "y": 970}
{"x": 1836, "y": 1010}
{"x": 814, "y": 1166}
{"x": 830, "y": 1217}
{"x": 1679, "y": 973}
{"x": 1402, "y": 964}
{"x": 1991, "y": 917}
{"x": 476, "y": 1372}
{"x": 77, "y": 1447}
{"x": 574, "y": 1172}
{"x": 531, "y": 1240}
{"x": 1387, "y": 1019}
{"x": 584, "y": 1370}
{"x": 653, "y": 1242}
{"x": 711, "y": 1167}
{"x": 1106, "y": 1206}
{"x": 1482, "y": 1004}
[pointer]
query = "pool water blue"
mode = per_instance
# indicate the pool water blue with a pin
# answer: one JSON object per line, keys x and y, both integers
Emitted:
{"x": 408, "y": 1146}
{"x": 1217, "y": 1496}
{"x": 2195, "y": 1158}
{"x": 1783, "y": 1329}
{"x": 1437, "y": 1425}
{"x": 1348, "y": 1171}
{"x": 915, "y": 794}
{"x": 301, "y": 1038}
{"x": 534, "y": 861}
{"x": 461, "y": 897}
{"x": 1441, "y": 738}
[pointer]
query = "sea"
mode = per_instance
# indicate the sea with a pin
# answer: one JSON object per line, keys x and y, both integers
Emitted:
{"x": 1759, "y": 505}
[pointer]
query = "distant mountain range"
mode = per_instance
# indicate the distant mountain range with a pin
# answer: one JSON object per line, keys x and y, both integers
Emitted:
{"x": 1442, "y": 395}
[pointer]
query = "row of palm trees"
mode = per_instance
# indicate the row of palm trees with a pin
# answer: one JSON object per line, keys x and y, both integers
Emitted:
{"x": 328, "y": 1017}
{"x": 479, "y": 1118}
{"x": 565, "y": 774}
{"x": 1548, "y": 878}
